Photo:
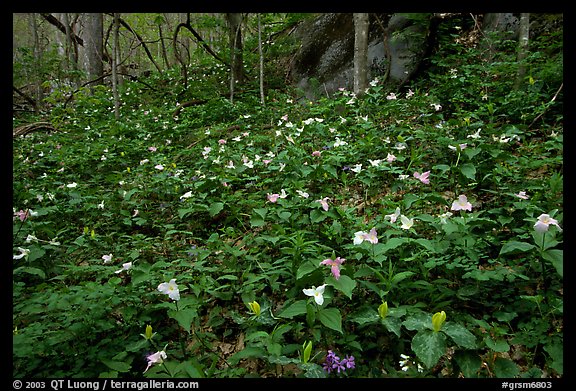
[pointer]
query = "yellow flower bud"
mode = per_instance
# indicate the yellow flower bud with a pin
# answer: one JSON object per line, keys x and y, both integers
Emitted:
{"x": 383, "y": 309}
{"x": 255, "y": 307}
{"x": 148, "y": 334}
{"x": 92, "y": 234}
{"x": 128, "y": 169}
{"x": 438, "y": 320}
{"x": 306, "y": 351}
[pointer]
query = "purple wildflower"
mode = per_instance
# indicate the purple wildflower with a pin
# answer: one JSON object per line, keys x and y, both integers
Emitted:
{"x": 333, "y": 363}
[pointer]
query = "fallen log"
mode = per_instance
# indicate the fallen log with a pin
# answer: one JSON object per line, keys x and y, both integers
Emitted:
{"x": 28, "y": 128}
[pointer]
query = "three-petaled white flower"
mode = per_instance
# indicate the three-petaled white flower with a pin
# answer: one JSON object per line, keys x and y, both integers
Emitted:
{"x": 317, "y": 293}
{"x": 406, "y": 222}
{"x": 170, "y": 289}
{"x": 544, "y": 221}
{"x": 461, "y": 204}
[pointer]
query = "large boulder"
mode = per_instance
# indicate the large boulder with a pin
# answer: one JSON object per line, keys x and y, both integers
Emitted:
{"x": 325, "y": 60}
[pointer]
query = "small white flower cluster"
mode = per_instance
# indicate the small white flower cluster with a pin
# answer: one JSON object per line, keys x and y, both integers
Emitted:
{"x": 407, "y": 363}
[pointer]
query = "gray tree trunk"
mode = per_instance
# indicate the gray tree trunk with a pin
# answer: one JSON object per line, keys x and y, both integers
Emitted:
{"x": 523, "y": 42}
{"x": 234, "y": 21}
{"x": 361, "y": 24}
{"x": 115, "y": 61}
{"x": 93, "y": 42}
{"x": 261, "y": 62}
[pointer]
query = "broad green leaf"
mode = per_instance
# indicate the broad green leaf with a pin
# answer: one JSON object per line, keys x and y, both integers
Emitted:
{"x": 36, "y": 252}
{"x": 468, "y": 170}
{"x": 305, "y": 268}
{"x": 257, "y": 335}
{"x": 460, "y": 335}
{"x": 331, "y": 170}
{"x": 393, "y": 325}
{"x": 118, "y": 366}
{"x": 247, "y": 352}
{"x": 193, "y": 370}
{"x": 515, "y": 246}
{"x": 368, "y": 315}
{"x": 257, "y": 219}
{"x": 556, "y": 258}
{"x": 317, "y": 215}
{"x": 184, "y": 317}
{"x": 215, "y": 208}
{"x": 556, "y": 352}
{"x": 312, "y": 371}
{"x": 185, "y": 212}
{"x": 392, "y": 243}
{"x": 296, "y": 308}
{"x": 409, "y": 199}
{"x": 429, "y": 346}
{"x": 331, "y": 318}
{"x": 30, "y": 270}
{"x": 344, "y": 284}
{"x": 284, "y": 215}
{"x": 418, "y": 321}
{"x": 401, "y": 276}
{"x": 504, "y": 368}
{"x": 469, "y": 363}
{"x": 498, "y": 345}
{"x": 427, "y": 244}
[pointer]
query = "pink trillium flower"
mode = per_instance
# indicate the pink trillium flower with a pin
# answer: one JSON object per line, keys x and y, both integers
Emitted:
{"x": 324, "y": 203}
{"x": 316, "y": 153}
{"x": 272, "y": 197}
{"x": 544, "y": 221}
{"x": 424, "y": 177}
{"x": 461, "y": 204}
{"x": 522, "y": 195}
{"x": 394, "y": 216}
{"x": 22, "y": 215}
{"x": 361, "y": 236}
{"x": 156, "y": 358}
{"x": 334, "y": 265}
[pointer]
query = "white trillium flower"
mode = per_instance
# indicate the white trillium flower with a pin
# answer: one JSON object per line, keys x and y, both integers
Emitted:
{"x": 170, "y": 289}
{"x": 406, "y": 222}
{"x": 317, "y": 293}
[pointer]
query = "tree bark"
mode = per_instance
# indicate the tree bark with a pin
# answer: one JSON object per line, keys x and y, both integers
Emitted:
{"x": 115, "y": 61}
{"x": 36, "y": 65}
{"x": 261, "y": 62}
{"x": 523, "y": 42}
{"x": 234, "y": 21}
{"x": 94, "y": 45}
{"x": 361, "y": 24}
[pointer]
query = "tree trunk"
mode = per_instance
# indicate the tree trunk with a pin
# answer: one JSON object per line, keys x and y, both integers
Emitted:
{"x": 523, "y": 41}
{"x": 34, "y": 77}
{"x": 234, "y": 21}
{"x": 115, "y": 61}
{"x": 361, "y": 24}
{"x": 93, "y": 42}
{"x": 261, "y": 62}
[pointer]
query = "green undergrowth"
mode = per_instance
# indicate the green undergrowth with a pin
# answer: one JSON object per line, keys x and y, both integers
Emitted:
{"x": 209, "y": 224}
